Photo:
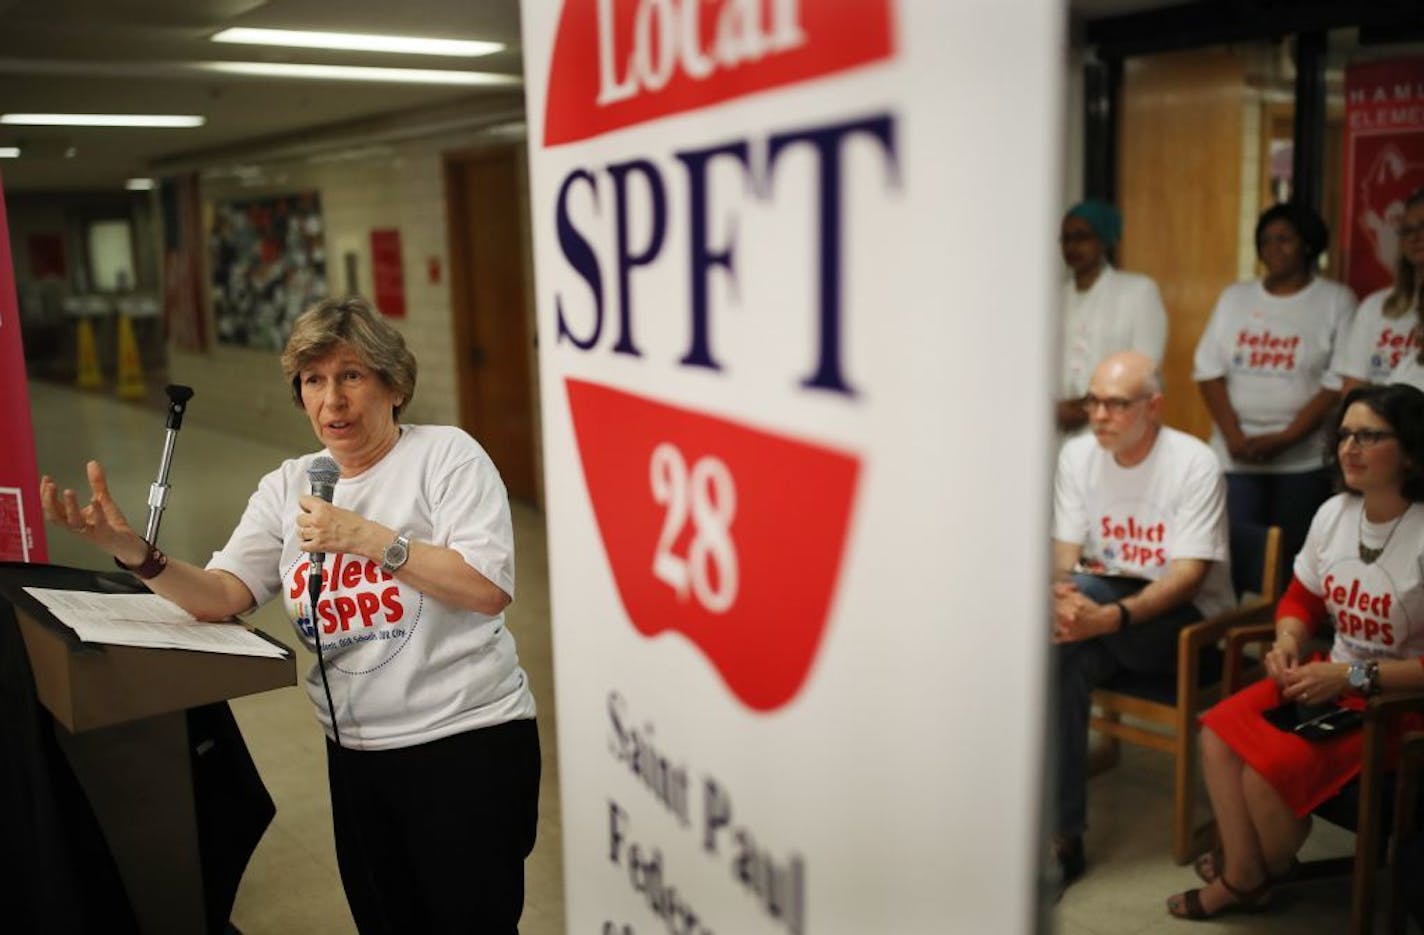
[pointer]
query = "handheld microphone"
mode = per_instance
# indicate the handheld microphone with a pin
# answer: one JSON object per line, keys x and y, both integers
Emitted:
{"x": 323, "y": 474}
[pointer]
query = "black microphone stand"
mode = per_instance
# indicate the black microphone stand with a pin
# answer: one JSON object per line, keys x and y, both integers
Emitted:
{"x": 178, "y": 397}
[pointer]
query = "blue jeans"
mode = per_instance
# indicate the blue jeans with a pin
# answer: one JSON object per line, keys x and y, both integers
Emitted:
{"x": 1285, "y": 500}
{"x": 1148, "y": 646}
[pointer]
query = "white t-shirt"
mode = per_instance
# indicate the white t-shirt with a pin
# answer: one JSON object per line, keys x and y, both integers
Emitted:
{"x": 403, "y": 668}
{"x": 1377, "y": 345}
{"x": 1377, "y": 609}
{"x": 1276, "y": 353}
{"x": 1135, "y": 521}
{"x": 1118, "y": 312}
{"x": 1409, "y": 371}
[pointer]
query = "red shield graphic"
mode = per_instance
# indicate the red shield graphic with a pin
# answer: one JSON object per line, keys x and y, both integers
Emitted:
{"x": 728, "y": 535}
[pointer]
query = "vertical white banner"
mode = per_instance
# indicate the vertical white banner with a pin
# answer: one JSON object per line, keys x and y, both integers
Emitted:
{"x": 795, "y": 281}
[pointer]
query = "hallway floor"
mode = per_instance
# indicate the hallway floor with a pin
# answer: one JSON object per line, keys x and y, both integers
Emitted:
{"x": 291, "y": 884}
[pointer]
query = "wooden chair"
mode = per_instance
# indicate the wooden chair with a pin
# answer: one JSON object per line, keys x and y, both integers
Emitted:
{"x": 1163, "y": 708}
{"x": 1408, "y": 870}
{"x": 1364, "y": 805}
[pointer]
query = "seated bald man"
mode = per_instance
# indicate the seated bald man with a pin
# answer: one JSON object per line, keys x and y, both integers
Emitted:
{"x": 1139, "y": 550}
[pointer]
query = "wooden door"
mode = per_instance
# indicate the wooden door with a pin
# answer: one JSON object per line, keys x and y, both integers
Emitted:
{"x": 494, "y": 350}
{"x": 1179, "y": 184}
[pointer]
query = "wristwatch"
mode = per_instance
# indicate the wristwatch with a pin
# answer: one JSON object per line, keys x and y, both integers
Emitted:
{"x": 395, "y": 554}
{"x": 1364, "y": 677}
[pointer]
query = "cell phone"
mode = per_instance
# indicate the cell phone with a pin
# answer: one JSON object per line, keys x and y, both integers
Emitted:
{"x": 1291, "y": 714}
{"x": 1331, "y": 724}
{"x": 1313, "y": 722}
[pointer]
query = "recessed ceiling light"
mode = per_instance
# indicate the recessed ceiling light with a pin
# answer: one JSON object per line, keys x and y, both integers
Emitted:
{"x": 358, "y": 73}
{"x": 103, "y": 120}
{"x": 139, "y": 185}
{"x": 359, "y": 42}
{"x": 9, "y": 152}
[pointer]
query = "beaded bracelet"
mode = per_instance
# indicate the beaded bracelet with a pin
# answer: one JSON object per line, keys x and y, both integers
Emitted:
{"x": 154, "y": 563}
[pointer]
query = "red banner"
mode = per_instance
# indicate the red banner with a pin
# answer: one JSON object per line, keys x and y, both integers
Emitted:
{"x": 1384, "y": 163}
{"x": 388, "y": 272}
{"x": 21, "y": 524}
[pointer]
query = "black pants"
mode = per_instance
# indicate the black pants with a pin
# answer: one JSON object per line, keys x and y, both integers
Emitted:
{"x": 1082, "y": 666}
{"x": 1285, "y": 500}
{"x": 432, "y": 838}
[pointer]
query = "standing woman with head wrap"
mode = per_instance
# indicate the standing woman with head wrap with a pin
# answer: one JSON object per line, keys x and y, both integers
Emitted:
{"x": 1105, "y": 310}
{"x": 1266, "y": 368}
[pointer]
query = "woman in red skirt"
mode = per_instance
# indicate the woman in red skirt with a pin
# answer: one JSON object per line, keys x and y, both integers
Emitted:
{"x": 1362, "y": 570}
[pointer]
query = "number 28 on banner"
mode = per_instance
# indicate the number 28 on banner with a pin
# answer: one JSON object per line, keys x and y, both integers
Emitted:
{"x": 713, "y": 497}
{"x": 728, "y": 535}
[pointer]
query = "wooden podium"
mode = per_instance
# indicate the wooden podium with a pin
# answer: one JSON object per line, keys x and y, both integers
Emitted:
{"x": 154, "y": 749}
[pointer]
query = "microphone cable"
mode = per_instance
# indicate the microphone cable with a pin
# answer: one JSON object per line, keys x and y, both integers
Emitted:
{"x": 313, "y": 592}
{"x": 323, "y": 474}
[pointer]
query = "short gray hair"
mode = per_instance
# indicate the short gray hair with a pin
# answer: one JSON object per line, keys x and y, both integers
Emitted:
{"x": 350, "y": 320}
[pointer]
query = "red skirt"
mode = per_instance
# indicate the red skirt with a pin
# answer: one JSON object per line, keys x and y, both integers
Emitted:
{"x": 1304, "y": 772}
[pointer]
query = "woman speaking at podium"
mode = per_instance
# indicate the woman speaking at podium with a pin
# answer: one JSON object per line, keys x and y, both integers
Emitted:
{"x": 398, "y": 578}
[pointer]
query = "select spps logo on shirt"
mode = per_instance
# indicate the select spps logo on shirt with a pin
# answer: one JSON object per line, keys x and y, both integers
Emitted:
{"x": 617, "y": 63}
{"x": 1393, "y": 345}
{"x": 728, "y": 535}
{"x": 1130, "y": 541}
{"x": 1265, "y": 351}
{"x": 359, "y": 603}
{"x": 1361, "y": 605}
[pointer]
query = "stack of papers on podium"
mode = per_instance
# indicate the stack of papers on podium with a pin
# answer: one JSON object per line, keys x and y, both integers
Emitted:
{"x": 148, "y": 620}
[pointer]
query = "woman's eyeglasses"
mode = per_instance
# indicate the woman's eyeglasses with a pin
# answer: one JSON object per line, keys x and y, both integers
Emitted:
{"x": 1410, "y": 230}
{"x": 1365, "y": 438}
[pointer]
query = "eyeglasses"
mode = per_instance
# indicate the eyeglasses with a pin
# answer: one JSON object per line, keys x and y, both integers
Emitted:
{"x": 1081, "y": 237}
{"x": 1115, "y": 405}
{"x": 1365, "y": 438}
{"x": 1409, "y": 230}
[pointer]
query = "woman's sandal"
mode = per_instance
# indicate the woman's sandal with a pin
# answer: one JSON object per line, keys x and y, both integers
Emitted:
{"x": 1208, "y": 868}
{"x": 1247, "y": 901}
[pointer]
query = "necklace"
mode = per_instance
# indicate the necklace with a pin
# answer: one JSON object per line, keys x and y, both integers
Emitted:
{"x": 1368, "y": 555}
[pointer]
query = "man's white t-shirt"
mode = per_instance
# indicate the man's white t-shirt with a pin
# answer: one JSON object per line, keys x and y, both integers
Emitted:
{"x": 1377, "y": 609}
{"x": 1276, "y": 353}
{"x": 1134, "y": 521}
{"x": 1378, "y": 344}
{"x": 403, "y": 668}
{"x": 1118, "y": 312}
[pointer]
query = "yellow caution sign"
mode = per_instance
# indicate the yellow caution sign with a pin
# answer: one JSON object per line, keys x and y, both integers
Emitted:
{"x": 131, "y": 382}
{"x": 89, "y": 377}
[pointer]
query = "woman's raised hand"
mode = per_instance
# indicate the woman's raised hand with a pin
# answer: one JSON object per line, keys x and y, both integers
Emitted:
{"x": 100, "y": 521}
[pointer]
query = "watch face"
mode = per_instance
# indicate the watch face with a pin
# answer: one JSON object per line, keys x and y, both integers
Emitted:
{"x": 1358, "y": 677}
{"x": 395, "y": 554}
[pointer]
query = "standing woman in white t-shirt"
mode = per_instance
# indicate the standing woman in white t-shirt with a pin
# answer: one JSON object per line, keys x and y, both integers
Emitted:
{"x": 1105, "y": 310}
{"x": 1386, "y": 343}
{"x": 433, "y": 756}
{"x": 1265, "y": 365}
